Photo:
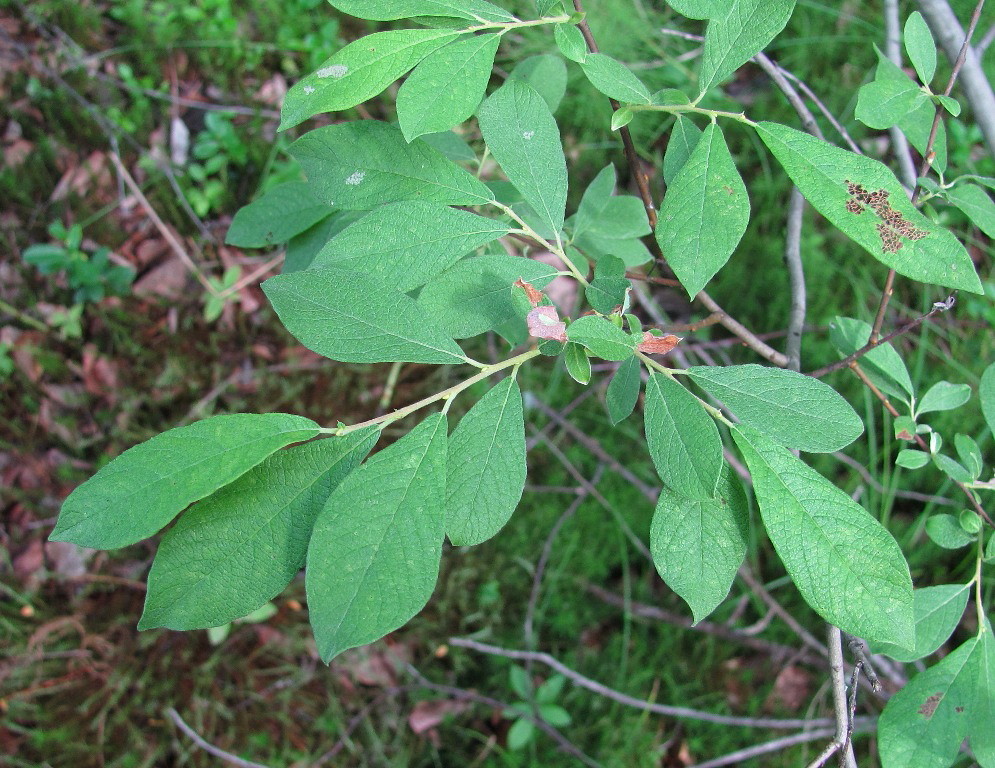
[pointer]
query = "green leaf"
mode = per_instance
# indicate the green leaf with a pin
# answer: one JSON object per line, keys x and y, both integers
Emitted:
{"x": 698, "y": 9}
{"x": 570, "y": 41}
{"x": 846, "y": 565}
{"x": 623, "y": 390}
{"x": 241, "y": 546}
{"x": 948, "y": 103}
{"x": 47, "y": 258}
{"x": 602, "y": 337}
{"x": 366, "y": 164}
{"x": 836, "y": 182}
{"x": 982, "y": 715}
{"x": 945, "y": 531}
{"x": 975, "y": 203}
{"x": 890, "y": 97}
{"x": 608, "y": 289}
{"x": 684, "y": 137}
{"x": 351, "y": 317}
{"x": 405, "y": 245}
{"x": 389, "y": 10}
{"x": 614, "y": 79}
{"x": 924, "y": 724}
{"x": 594, "y": 199}
{"x": 951, "y": 468}
{"x": 447, "y": 86}
{"x": 302, "y": 248}
{"x": 683, "y": 440}
{"x": 918, "y": 125}
{"x": 578, "y": 363}
{"x": 360, "y": 71}
{"x": 912, "y": 459}
{"x": 795, "y": 410}
{"x": 374, "y": 554}
{"x": 452, "y": 146}
{"x": 547, "y": 74}
{"x": 623, "y": 217}
{"x": 737, "y": 35}
{"x": 149, "y": 484}
{"x": 986, "y": 393}
{"x": 704, "y": 213}
{"x": 486, "y": 466}
{"x": 474, "y": 295}
{"x": 521, "y": 682}
{"x": 920, "y": 47}
{"x": 937, "y": 612}
{"x": 970, "y": 521}
{"x": 969, "y": 454}
{"x": 943, "y": 396}
{"x": 621, "y": 117}
{"x": 522, "y": 135}
{"x": 882, "y": 364}
{"x": 522, "y": 731}
{"x": 284, "y": 211}
{"x": 555, "y": 715}
{"x": 550, "y": 690}
{"x": 698, "y": 544}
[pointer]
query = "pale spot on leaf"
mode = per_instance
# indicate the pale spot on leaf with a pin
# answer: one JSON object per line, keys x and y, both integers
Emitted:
{"x": 527, "y": 135}
{"x": 356, "y": 179}
{"x": 336, "y": 71}
{"x": 309, "y": 89}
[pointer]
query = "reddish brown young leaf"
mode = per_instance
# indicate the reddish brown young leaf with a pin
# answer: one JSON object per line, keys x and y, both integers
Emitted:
{"x": 534, "y": 295}
{"x": 657, "y": 345}
{"x": 545, "y": 323}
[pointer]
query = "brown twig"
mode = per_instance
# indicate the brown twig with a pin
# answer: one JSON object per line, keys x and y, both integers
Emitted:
{"x": 939, "y": 306}
{"x": 775, "y": 745}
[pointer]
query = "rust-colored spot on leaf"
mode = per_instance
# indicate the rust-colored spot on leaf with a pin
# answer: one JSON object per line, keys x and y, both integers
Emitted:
{"x": 534, "y": 296}
{"x": 657, "y": 345}
{"x": 893, "y": 226}
{"x": 958, "y": 710}
{"x": 929, "y": 706}
{"x": 545, "y": 323}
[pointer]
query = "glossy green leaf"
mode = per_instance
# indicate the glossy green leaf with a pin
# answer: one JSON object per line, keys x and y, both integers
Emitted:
{"x": 945, "y": 531}
{"x": 389, "y": 10}
{"x": 986, "y": 393}
{"x": 937, "y": 612}
{"x": 351, "y": 317}
{"x": 360, "y": 71}
{"x": 144, "y": 488}
{"x": 578, "y": 363}
{"x": 486, "y": 466}
{"x": 405, "y": 245}
{"x": 623, "y": 390}
{"x": 920, "y": 47}
{"x": 975, "y": 203}
{"x": 698, "y": 544}
{"x": 547, "y": 74}
{"x": 284, "y": 211}
{"x": 882, "y": 365}
{"x": 474, "y": 295}
{"x": 241, "y": 546}
{"x": 621, "y": 117}
{"x": 743, "y": 29}
{"x": 447, "y": 86}
{"x": 704, "y": 213}
{"x": 924, "y": 724}
{"x": 614, "y": 79}
{"x": 570, "y": 41}
{"x": 374, "y": 554}
{"x": 943, "y": 396}
{"x": 890, "y": 97}
{"x": 833, "y": 179}
{"x": 684, "y": 137}
{"x": 794, "y": 410}
{"x": 846, "y": 565}
{"x": 683, "y": 440}
{"x": 522, "y": 135}
{"x": 366, "y": 164}
{"x": 608, "y": 289}
{"x": 605, "y": 339}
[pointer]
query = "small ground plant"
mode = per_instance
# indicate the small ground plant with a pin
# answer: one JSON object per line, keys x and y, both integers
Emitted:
{"x": 410, "y": 241}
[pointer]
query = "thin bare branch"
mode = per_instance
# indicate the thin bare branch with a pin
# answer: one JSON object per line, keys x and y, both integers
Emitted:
{"x": 630, "y": 701}
{"x": 837, "y": 677}
{"x": 776, "y": 745}
{"x": 796, "y": 278}
{"x": 196, "y": 738}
